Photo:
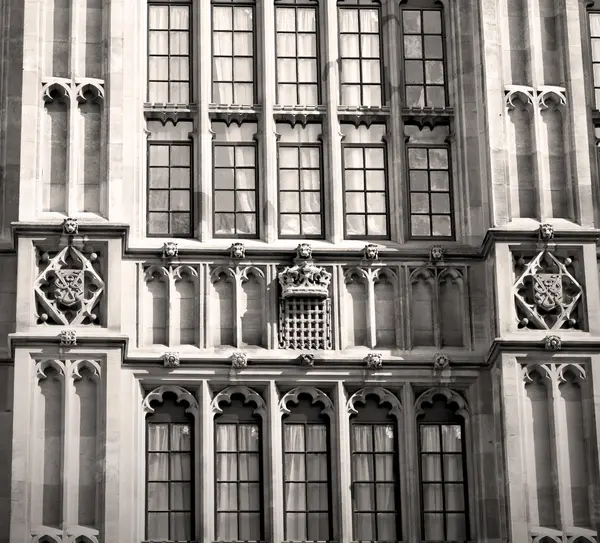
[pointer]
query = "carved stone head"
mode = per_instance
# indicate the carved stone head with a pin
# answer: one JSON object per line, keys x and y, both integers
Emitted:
{"x": 436, "y": 253}
{"x": 239, "y": 360}
{"x": 307, "y": 359}
{"x": 371, "y": 252}
{"x": 552, "y": 343}
{"x": 171, "y": 359}
{"x": 304, "y": 250}
{"x": 374, "y": 361}
{"x": 170, "y": 250}
{"x": 68, "y": 337}
{"x": 70, "y": 226}
{"x": 546, "y": 231}
{"x": 440, "y": 362}
{"x": 237, "y": 250}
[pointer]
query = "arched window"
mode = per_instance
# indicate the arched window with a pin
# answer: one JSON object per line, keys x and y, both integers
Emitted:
{"x": 238, "y": 466}
{"x": 375, "y": 477}
{"x": 169, "y": 465}
{"x": 442, "y": 466}
{"x": 306, "y": 464}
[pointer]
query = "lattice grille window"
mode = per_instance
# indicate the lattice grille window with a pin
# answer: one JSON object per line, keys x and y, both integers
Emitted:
{"x": 305, "y": 323}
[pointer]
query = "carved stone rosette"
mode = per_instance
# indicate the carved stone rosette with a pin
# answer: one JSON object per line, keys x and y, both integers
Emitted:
{"x": 307, "y": 360}
{"x": 440, "y": 362}
{"x": 239, "y": 360}
{"x": 68, "y": 337}
{"x": 171, "y": 359}
{"x": 374, "y": 361}
{"x": 552, "y": 343}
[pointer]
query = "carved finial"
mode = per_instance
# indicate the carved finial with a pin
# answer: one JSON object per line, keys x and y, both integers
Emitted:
{"x": 546, "y": 232}
{"x": 436, "y": 253}
{"x": 307, "y": 360}
{"x": 374, "y": 361}
{"x": 371, "y": 252}
{"x": 552, "y": 343}
{"x": 440, "y": 362}
{"x": 237, "y": 250}
{"x": 303, "y": 251}
{"x": 239, "y": 360}
{"x": 170, "y": 250}
{"x": 171, "y": 359}
{"x": 70, "y": 226}
{"x": 68, "y": 337}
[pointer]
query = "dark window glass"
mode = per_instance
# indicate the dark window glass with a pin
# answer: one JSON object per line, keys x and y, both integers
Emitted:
{"x": 429, "y": 178}
{"x": 306, "y": 473}
{"x": 233, "y": 53}
{"x": 297, "y": 53}
{"x": 424, "y": 61}
{"x": 375, "y": 485}
{"x": 443, "y": 476}
{"x": 235, "y": 180}
{"x": 169, "y": 52}
{"x": 299, "y": 165}
{"x": 238, "y": 473}
{"x": 365, "y": 181}
{"x": 169, "y": 469}
{"x": 361, "y": 73}
{"x": 169, "y": 179}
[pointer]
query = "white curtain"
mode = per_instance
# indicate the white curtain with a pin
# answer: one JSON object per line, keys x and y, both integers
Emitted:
{"x": 169, "y": 482}
{"x": 433, "y": 493}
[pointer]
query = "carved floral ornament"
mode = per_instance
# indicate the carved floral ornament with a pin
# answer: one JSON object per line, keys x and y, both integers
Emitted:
{"x": 374, "y": 361}
{"x": 546, "y": 292}
{"x": 239, "y": 360}
{"x": 68, "y": 337}
{"x": 68, "y": 288}
{"x": 171, "y": 359}
{"x": 304, "y": 280}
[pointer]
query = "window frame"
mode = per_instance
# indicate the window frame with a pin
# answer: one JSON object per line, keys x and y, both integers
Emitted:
{"x": 256, "y": 98}
{"x": 191, "y": 44}
{"x": 384, "y": 146}
{"x": 171, "y": 143}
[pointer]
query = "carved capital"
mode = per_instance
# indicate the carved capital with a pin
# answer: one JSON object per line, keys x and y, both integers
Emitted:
{"x": 436, "y": 253}
{"x": 171, "y": 359}
{"x": 371, "y": 252}
{"x": 552, "y": 343}
{"x": 170, "y": 250}
{"x": 239, "y": 360}
{"x": 374, "y": 361}
{"x": 237, "y": 250}
{"x": 546, "y": 232}
{"x": 304, "y": 251}
{"x": 440, "y": 362}
{"x": 70, "y": 226}
{"x": 307, "y": 360}
{"x": 68, "y": 337}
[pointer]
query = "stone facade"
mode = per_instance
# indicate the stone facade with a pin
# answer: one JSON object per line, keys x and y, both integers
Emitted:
{"x": 101, "y": 320}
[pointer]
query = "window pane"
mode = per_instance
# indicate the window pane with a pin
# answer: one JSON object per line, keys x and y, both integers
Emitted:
{"x": 158, "y": 467}
{"x": 295, "y": 527}
{"x": 158, "y": 497}
{"x": 158, "y": 437}
{"x": 181, "y": 467}
{"x": 181, "y": 496}
{"x": 158, "y": 526}
{"x": 227, "y": 497}
{"x": 181, "y": 526}
{"x": 249, "y": 524}
{"x": 318, "y": 527}
{"x": 316, "y": 437}
{"x": 249, "y": 496}
{"x": 227, "y": 527}
{"x": 295, "y": 496}
{"x": 364, "y": 497}
{"x": 365, "y": 527}
{"x": 227, "y": 467}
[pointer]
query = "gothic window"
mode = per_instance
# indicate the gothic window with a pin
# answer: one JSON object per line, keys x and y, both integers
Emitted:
{"x": 361, "y": 64}
{"x": 442, "y": 471}
{"x": 238, "y": 472}
{"x": 233, "y": 52}
{"x": 375, "y": 483}
{"x": 300, "y": 174}
{"x": 169, "y": 179}
{"x": 306, "y": 465}
{"x": 365, "y": 181}
{"x": 169, "y": 472}
{"x": 297, "y": 48}
{"x": 169, "y": 52}
{"x": 235, "y": 180}
{"x": 428, "y": 160}
{"x": 594, "y": 22}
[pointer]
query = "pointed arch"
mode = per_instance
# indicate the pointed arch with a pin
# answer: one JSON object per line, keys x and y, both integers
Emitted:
{"x": 384, "y": 396}
{"x": 316, "y": 394}
{"x": 43, "y": 365}
{"x": 249, "y": 394}
{"x": 451, "y": 396}
{"x": 181, "y": 393}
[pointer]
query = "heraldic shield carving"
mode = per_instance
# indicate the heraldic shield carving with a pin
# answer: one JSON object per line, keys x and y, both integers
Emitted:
{"x": 68, "y": 288}
{"x": 546, "y": 292}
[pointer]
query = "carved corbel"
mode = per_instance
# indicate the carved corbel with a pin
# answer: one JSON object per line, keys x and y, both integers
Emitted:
{"x": 171, "y": 359}
{"x": 239, "y": 360}
{"x": 374, "y": 361}
{"x": 170, "y": 250}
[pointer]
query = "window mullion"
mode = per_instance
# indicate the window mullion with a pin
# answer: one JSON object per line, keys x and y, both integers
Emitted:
{"x": 207, "y": 465}
{"x": 274, "y": 466}
{"x": 341, "y": 478}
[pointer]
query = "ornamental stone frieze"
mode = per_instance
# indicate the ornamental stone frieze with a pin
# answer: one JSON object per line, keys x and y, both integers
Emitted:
{"x": 547, "y": 294}
{"x": 68, "y": 287}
